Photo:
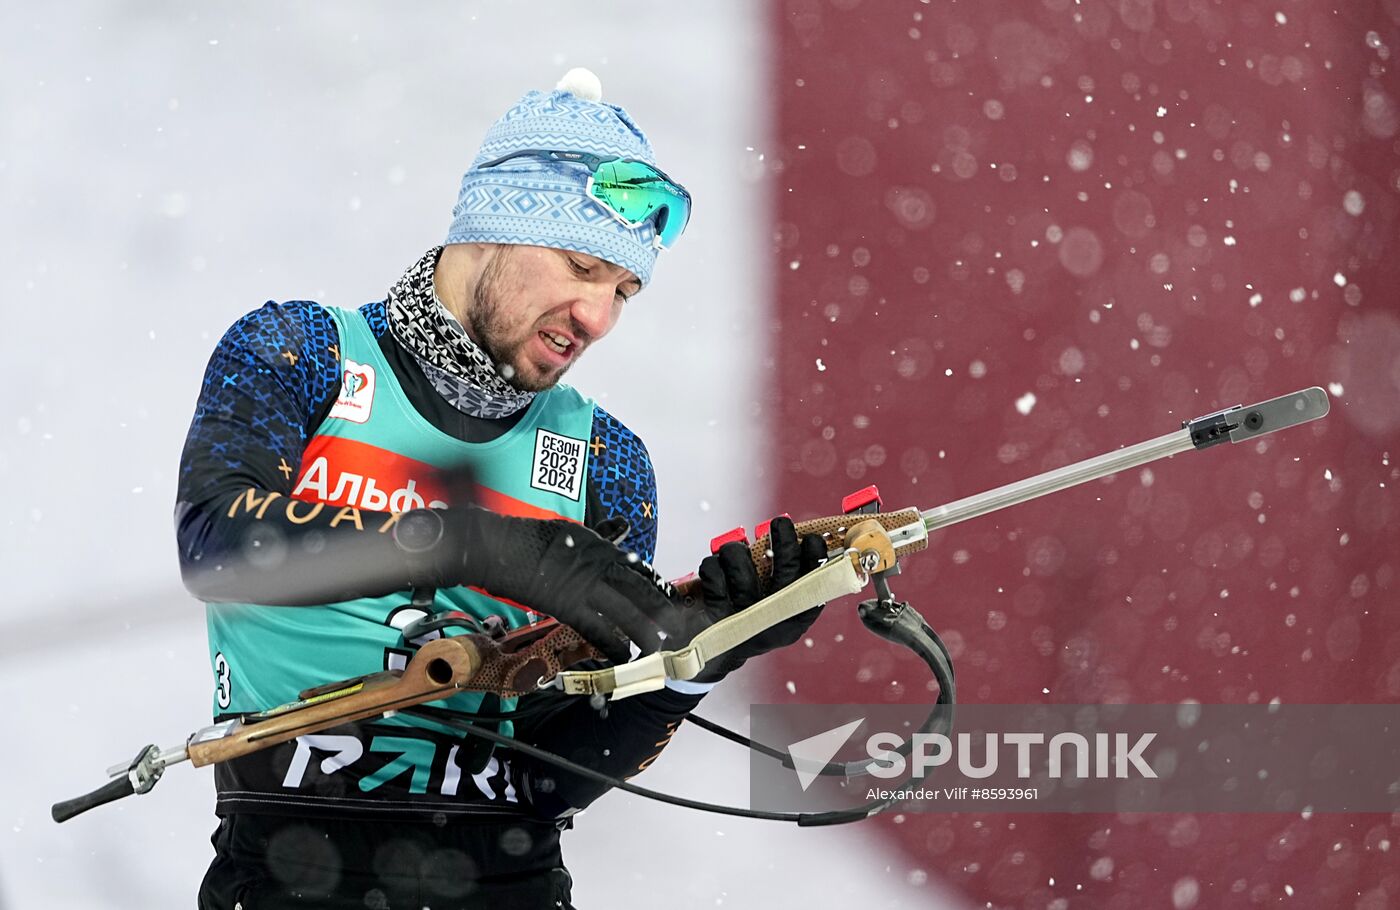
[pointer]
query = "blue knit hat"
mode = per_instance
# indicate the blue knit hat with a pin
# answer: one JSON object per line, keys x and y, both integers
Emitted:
{"x": 537, "y": 202}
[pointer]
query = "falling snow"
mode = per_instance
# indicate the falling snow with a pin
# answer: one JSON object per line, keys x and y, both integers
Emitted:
{"x": 1110, "y": 217}
{"x": 1141, "y": 212}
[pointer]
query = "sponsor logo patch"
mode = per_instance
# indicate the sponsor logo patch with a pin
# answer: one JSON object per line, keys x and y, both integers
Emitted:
{"x": 558, "y": 464}
{"x": 356, "y": 392}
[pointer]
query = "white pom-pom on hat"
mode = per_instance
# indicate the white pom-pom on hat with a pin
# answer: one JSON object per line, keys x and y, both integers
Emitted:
{"x": 583, "y": 83}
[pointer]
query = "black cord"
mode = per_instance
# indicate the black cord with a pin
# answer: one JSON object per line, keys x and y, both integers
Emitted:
{"x": 882, "y": 618}
{"x": 897, "y": 622}
{"x": 830, "y": 769}
{"x": 457, "y": 722}
{"x": 743, "y": 740}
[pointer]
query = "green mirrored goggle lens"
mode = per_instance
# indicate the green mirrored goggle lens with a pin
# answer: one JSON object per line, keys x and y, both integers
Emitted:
{"x": 636, "y": 191}
{"x": 633, "y": 191}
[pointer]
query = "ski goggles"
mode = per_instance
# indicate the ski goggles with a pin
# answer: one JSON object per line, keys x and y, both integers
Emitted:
{"x": 632, "y": 191}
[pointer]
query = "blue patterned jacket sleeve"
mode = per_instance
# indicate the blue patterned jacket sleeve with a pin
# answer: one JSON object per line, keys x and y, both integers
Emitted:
{"x": 623, "y": 478}
{"x": 269, "y": 380}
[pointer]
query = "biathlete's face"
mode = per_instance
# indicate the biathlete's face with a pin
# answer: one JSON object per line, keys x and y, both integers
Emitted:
{"x": 535, "y": 310}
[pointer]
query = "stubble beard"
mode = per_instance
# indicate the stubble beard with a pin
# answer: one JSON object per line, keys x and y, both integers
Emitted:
{"x": 491, "y": 326}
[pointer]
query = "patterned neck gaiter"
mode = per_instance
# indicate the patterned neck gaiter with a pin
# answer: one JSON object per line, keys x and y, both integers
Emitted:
{"x": 458, "y": 368}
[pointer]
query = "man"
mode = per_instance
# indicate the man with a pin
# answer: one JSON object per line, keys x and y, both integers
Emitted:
{"x": 312, "y": 501}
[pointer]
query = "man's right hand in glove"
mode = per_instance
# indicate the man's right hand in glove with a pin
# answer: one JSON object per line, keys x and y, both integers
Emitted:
{"x": 561, "y": 569}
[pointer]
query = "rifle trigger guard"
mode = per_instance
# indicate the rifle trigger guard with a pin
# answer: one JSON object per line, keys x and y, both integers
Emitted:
{"x": 492, "y": 627}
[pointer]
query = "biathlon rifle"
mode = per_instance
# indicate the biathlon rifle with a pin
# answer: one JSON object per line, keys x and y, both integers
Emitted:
{"x": 864, "y": 544}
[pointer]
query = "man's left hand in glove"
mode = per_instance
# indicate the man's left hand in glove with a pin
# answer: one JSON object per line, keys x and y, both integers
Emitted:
{"x": 730, "y": 583}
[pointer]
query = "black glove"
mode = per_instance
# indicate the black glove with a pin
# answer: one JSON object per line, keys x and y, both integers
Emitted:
{"x": 557, "y": 567}
{"x": 729, "y": 583}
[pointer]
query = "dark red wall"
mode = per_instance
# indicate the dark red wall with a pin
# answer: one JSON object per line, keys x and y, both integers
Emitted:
{"x": 1139, "y": 213}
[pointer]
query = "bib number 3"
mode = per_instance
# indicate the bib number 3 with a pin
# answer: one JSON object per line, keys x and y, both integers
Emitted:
{"x": 223, "y": 690}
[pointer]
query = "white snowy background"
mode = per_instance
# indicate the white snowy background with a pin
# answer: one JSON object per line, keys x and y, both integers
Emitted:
{"x": 166, "y": 167}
